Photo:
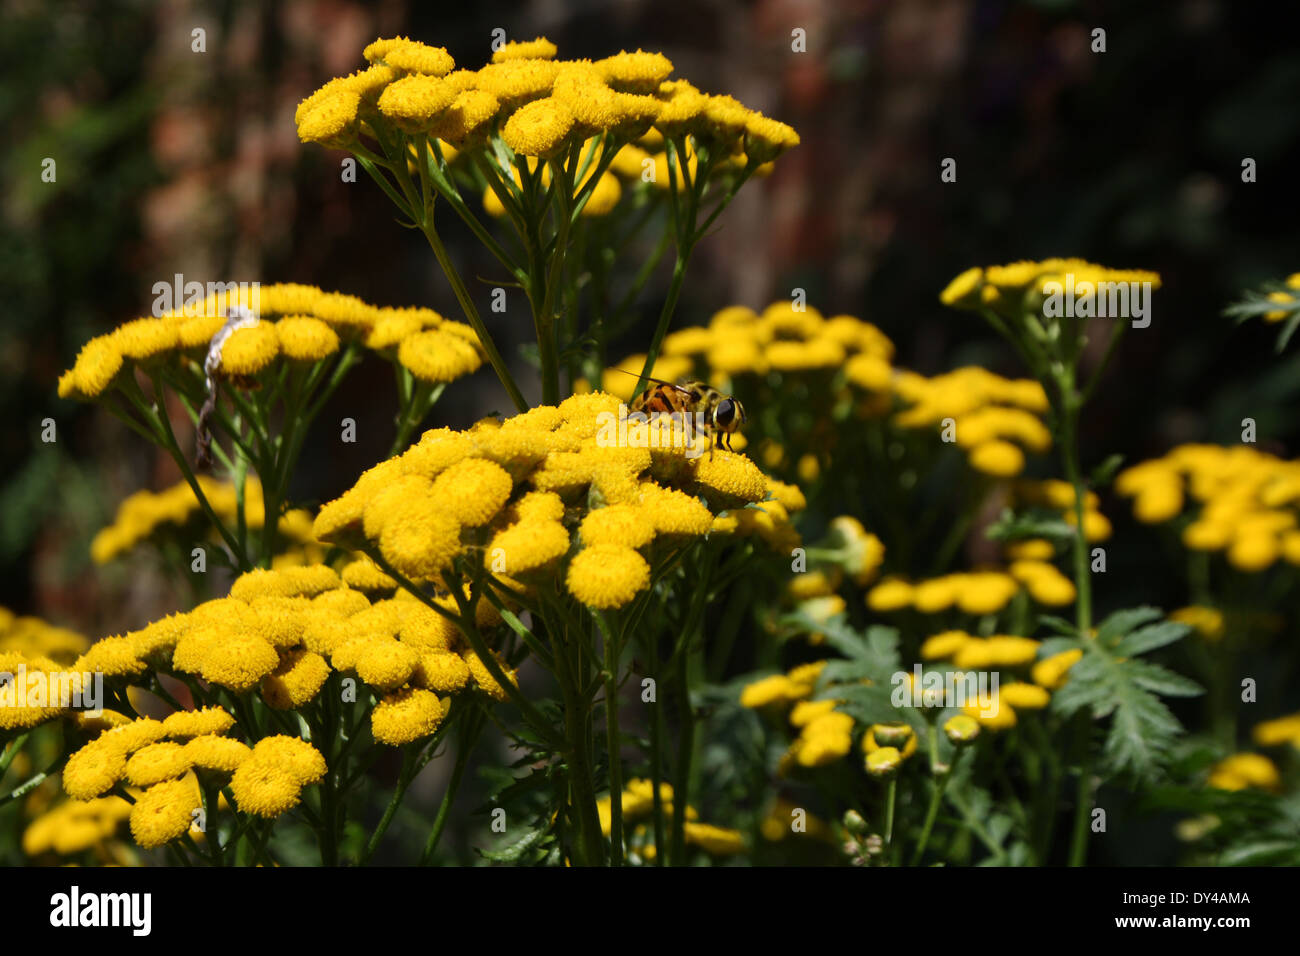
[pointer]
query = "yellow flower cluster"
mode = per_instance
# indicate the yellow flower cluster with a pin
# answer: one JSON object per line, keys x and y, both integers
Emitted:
{"x": 1247, "y": 501}
{"x": 145, "y": 513}
{"x": 993, "y": 419}
{"x": 1243, "y": 770}
{"x": 561, "y": 492}
{"x": 33, "y": 637}
{"x": 999, "y": 652}
{"x": 825, "y": 734}
{"x": 739, "y": 341}
{"x": 158, "y": 759}
{"x": 74, "y": 826}
{"x": 1278, "y": 731}
{"x": 29, "y": 646}
{"x": 312, "y": 325}
{"x": 283, "y": 631}
{"x": 996, "y": 286}
{"x": 537, "y": 105}
{"x": 1205, "y": 621}
{"x": 975, "y": 592}
{"x": 637, "y": 801}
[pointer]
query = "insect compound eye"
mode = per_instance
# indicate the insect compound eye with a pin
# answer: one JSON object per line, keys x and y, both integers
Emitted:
{"x": 725, "y": 412}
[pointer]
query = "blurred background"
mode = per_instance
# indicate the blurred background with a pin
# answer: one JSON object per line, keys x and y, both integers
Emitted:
{"x": 174, "y": 161}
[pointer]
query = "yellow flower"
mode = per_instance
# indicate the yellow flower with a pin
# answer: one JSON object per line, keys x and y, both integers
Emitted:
{"x": 469, "y": 112}
{"x": 157, "y": 762}
{"x": 269, "y": 782}
{"x": 526, "y": 546}
{"x": 607, "y": 576}
{"x": 483, "y": 677}
{"x": 1023, "y": 696}
{"x": 143, "y": 339}
{"x": 998, "y": 458}
{"x": 961, "y": 729}
{"x": 995, "y": 713}
{"x": 944, "y": 645}
{"x": 414, "y": 101}
{"x": 961, "y": 289}
{"x": 112, "y": 657}
{"x": 733, "y": 476}
{"x": 239, "y": 661}
{"x": 97, "y": 365}
{"x": 604, "y": 197}
{"x": 249, "y": 350}
{"x": 1281, "y": 730}
{"x": 472, "y": 491}
{"x": 421, "y": 539}
{"x": 442, "y": 672}
{"x": 94, "y": 769}
{"x": 306, "y": 339}
{"x": 718, "y": 841}
{"x": 163, "y": 813}
{"x": 329, "y": 116}
{"x": 1206, "y": 621}
{"x": 197, "y": 723}
{"x": 777, "y": 689}
{"x": 1044, "y": 582}
{"x": 883, "y": 762}
{"x": 765, "y": 138}
{"x": 1052, "y": 672}
{"x": 540, "y": 128}
{"x": 985, "y": 592}
{"x": 416, "y": 57}
{"x": 297, "y": 680}
{"x": 438, "y": 355}
{"x": 538, "y": 49}
{"x": 637, "y": 72}
{"x": 406, "y": 716}
{"x": 997, "y": 651}
{"x": 386, "y": 664}
{"x": 518, "y": 81}
{"x": 624, "y": 525}
{"x": 891, "y": 594}
{"x": 221, "y": 754}
{"x": 890, "y": 735}
{"x": 824, "y": 739}
{"x": 1243, "y": 770}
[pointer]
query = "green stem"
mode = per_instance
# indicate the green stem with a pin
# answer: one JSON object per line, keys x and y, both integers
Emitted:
{"x": 611, "y": 641}
{"x": 469, "y": 737}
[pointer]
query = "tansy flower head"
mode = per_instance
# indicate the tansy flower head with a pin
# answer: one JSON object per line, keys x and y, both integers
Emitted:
{"x": 406, "y": 716}
{"x": 607, "y": 576}
{"x": 163, "y": 813}
{"x": 538, "y": 49}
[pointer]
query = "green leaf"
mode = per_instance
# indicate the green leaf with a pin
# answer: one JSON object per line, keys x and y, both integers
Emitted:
{"x": 1104, "y": 473}
{"x": 1151, "y": 637}
{"x": 1013, "y": 527}
{"x": 1111, "y": 681}
{"x": 1122, "y": 622}
{"x": 515, "y": 852}
{"x": 1160, "y": 680}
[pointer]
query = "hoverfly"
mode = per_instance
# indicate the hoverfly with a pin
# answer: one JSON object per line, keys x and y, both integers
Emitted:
{"x": 722, "y": 414}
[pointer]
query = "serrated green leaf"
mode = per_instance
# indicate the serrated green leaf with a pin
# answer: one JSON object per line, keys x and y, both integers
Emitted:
{"x": 1122, "y": 622}
{"x": 1161, "y": 680}
{"x": 1149, "y": 638}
